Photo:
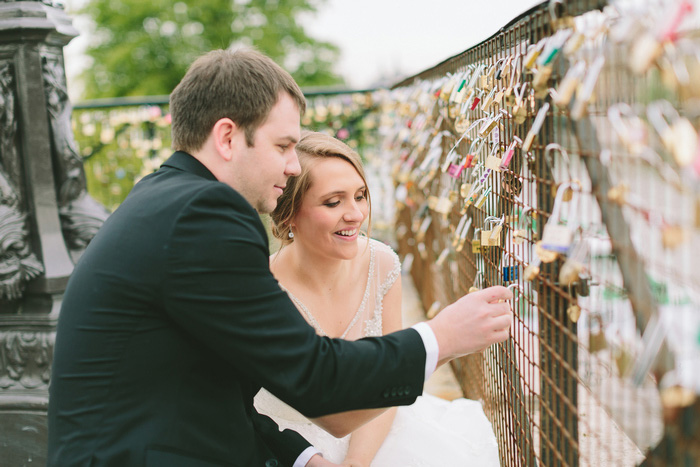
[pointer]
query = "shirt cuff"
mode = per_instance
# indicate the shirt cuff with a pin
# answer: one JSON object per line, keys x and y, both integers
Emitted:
{"x": 431, "y": 347}
{"x": 306, "y": 456}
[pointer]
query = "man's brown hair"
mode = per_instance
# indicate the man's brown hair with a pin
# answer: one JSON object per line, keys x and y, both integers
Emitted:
{"x": 242, "y": 85}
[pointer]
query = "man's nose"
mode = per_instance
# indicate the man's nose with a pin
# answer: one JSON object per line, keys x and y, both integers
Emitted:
{"x": 293, "y": 167}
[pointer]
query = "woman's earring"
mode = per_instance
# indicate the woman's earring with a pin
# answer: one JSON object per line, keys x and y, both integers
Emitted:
{"x": 290, "y": 234}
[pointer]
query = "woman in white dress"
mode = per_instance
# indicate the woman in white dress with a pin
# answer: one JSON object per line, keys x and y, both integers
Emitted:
{"x": 347, "y": 285}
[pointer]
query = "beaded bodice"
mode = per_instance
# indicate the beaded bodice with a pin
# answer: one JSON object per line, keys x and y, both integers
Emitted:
{"x": 384, "y": 269}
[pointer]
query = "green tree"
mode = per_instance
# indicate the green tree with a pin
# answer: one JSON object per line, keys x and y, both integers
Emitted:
{"x": 141, "y": 48}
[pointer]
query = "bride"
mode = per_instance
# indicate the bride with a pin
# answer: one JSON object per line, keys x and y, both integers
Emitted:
{"x": 348, "y": 285}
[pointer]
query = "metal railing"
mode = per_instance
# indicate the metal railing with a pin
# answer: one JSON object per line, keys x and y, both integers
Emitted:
{"x": 550, "y": 157}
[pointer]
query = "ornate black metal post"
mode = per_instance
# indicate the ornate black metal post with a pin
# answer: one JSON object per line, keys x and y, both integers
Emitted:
{"x": 46, "y": 216}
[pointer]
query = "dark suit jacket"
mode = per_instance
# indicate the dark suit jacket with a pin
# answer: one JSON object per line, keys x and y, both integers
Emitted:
{"x": 172, "y": 321}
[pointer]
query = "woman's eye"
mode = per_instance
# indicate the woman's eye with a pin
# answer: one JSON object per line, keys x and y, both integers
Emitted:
{"x": 333, "y": 204}
{"x": 360, "y": 197}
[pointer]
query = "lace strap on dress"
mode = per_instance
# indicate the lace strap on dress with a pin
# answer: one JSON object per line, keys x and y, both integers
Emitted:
{"x": 393, "y": 274}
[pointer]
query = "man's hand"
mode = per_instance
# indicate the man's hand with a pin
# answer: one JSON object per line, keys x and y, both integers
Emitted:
{"x": 473, "y": 322}
{"x": 318, "y": 461}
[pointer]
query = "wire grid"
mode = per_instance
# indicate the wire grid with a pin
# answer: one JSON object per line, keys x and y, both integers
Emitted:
{"x": 575, "y": 384}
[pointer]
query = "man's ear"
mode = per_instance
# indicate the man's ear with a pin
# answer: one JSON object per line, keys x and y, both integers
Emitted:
{"x": 224, "y": 136}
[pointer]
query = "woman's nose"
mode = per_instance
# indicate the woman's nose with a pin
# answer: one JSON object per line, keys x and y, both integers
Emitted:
{"x": 354, "y": 213}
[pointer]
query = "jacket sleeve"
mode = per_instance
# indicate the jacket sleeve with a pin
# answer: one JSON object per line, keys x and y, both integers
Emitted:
{"x": 219, "y": 289}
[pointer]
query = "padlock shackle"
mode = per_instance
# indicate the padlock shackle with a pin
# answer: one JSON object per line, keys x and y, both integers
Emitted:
{"x": 558, "y": 200}
{"x": 662, "y": 115}
{"x": 565, "y": 156}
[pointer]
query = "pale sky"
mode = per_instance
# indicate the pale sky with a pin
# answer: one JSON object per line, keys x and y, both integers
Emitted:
{"x": 383, "y": 38}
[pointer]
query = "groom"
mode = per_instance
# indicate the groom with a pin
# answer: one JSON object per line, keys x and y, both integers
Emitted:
{"x": 172, "y": 321}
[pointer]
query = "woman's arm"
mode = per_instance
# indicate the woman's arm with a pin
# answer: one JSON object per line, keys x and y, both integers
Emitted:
{"x": 366, "y": 441}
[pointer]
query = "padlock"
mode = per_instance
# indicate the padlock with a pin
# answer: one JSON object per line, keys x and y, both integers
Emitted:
{"x": 442, "y": 257}
{"x": 623, "y": 361}
{"x": 478, "y": 283}
{"x": 493, "y": 162}
{"x": 461, "y": 232}
{"x": 585, "y": 91}
{"x": 573, "y": 312}
{"x": 685, "y": 142}
{"x": 488, "y": 100}
{"x": 422, "y": 251}
{"x": 618, "y": 193}
{"x": 482, "y": 197}
{"x": 672, "y": 236}
{"x": 519, "y": 114}
{"x": 443, "y": 206}
{"x": 461, "y": 123}
{"x": 677, "y": 133}
{"x": 464, "y": 189}
{"x": 536, "y": 127}
{"x": 511, "y": 273}
{"x": 574, "y": 266}
{"x": 574, "y": 43}
{"x": 596, "y": 339}
{"x": 556, "y": 238}
{"x": 541, "y": 78}
{"x": 546, "y": 256}
{"x": 568, "y": 84}
{"x": 532, "y": 270}
{"x": 630, "y": 129}
{"x": 508, "y": 156}
{"x": 420, "y": 234}
{"x": 498, "y": 97}
{"x": 521, "y": 233}
{"x": 644, "y": 53}
{"x": 489, "y": 125}
{"x": 583, "y": 288}
{"x": 532, "y": 53}
{"x": 569, "y": 272}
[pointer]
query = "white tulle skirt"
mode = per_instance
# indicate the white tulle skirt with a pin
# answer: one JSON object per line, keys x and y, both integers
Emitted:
{"x": 431, "y": 432}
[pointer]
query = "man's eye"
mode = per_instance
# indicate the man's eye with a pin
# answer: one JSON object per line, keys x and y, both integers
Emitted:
{"x": 283, "y": 147}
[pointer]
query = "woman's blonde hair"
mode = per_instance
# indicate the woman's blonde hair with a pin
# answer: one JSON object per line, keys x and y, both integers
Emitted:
{"x": 312, "y": 147}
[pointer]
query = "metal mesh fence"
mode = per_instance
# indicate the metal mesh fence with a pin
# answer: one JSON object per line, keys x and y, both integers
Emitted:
{"x": 560, "y": 157}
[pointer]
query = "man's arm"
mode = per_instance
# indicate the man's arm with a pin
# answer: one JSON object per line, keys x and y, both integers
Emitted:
{"x": 219, "y": 289}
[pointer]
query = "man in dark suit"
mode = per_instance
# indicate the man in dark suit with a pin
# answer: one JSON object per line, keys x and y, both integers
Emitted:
{"x": 172, "y": 321}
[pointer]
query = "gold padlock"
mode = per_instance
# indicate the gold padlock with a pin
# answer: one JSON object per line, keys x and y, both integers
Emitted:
{"x": 531, "y": 271}
{"x": 597, "y": 340}
{"x": 574, "y": 312}
{"x": 461, "y": 123}
{"x": 645, "y": 51}
{"x": 623, "y": 361}
{"x": 443, "y": 256}
{"x": 673, "y": 236}
{"x": 685, "y": 142}
{"x": 546, "y": 256}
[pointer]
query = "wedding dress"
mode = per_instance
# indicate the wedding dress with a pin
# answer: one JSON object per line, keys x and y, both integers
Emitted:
{"x": 430, "y": 432}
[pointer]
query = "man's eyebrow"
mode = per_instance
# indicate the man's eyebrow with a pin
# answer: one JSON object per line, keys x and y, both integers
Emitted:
{"x": 291, "y": 139}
